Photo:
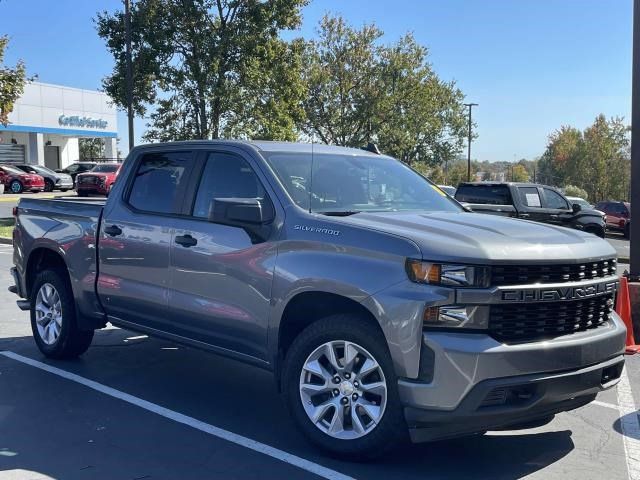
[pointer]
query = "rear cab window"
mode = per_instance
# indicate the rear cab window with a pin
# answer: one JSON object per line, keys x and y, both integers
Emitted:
{"x": 484, "y": 194}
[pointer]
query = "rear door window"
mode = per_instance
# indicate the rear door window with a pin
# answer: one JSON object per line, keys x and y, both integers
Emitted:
{"x": 484, "y": 194}
{"x": 160, "y": 182}
{"x": 530, "y": 196}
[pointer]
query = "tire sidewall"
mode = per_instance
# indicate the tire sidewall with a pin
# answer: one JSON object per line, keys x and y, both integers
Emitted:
{"x": 391, "y": 430}
{"x": 48, "y": 185}
{"x": 68, "y": 312}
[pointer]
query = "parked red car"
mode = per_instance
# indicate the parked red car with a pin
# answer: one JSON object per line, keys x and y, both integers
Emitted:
{"x": 618, "y": 215}
{"x": 98, "y": 180}
{"x": 17, "y": 181}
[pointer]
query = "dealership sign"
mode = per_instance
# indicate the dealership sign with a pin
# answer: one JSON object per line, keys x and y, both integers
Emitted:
{"x": 86, "y": 122}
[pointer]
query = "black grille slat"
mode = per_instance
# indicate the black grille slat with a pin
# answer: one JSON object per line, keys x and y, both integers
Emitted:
{"x": 530, "y": 274}
{"x": 522, "y": 322}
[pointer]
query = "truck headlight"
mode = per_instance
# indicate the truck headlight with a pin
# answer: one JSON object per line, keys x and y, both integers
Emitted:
{"x": 471, "y": 317}
{"x": 447, "y": 275}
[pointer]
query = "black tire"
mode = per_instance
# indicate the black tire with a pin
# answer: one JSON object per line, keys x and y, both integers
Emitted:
{"x": 64, "y": 190}
{"x": 390, "y": 431}
{"x": 595, "y": 230}
{"x": 16, "y": 187}
{"x": 82, "y": 193}
{"x": 627, "y": 231}
{"x": 71, "y": 341}
{"x": 48, "y": 185}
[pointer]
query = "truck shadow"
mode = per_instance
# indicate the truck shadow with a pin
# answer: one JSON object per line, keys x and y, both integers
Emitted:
{"x": 245, "y": 400}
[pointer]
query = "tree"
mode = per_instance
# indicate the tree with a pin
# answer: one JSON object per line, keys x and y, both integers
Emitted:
{"x": 12, "y": 81}
{"x": 519, "y": 173}
{"x": 573, "y": 191}
{"x": 209, "y": 68}
{"x": 91, "y": 148}
{"x": 360, "y": 91}
{"x": 596, "y": 160}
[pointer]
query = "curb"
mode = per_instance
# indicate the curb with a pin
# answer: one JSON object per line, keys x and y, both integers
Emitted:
{"x": 6, "y": 241}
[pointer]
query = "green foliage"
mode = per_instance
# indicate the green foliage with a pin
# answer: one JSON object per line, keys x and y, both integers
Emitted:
{"x": 597, "y": 160}
{"x": 91, "y": 148}
{"x": 12, "y": 81}
{"x": 573, "y": 191}
{"x": 209, "y": 68}
{"x": 360, "y": 91}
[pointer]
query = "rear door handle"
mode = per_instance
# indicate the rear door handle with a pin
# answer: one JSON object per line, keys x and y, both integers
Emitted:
{"x": 186, "y": 241}
{"x": 113, "y": 230}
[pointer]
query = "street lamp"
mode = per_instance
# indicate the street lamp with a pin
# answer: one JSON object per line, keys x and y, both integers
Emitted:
{"x": 470, "y": 105}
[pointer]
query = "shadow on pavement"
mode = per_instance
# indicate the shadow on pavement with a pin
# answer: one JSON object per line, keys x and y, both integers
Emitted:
{"x": 244, "y": 400}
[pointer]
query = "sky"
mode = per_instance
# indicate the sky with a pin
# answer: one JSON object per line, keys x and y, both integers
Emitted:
{"x": 531, "y": 65}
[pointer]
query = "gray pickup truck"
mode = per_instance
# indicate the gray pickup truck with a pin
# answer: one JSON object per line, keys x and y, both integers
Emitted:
{"x": 381, "y": 306}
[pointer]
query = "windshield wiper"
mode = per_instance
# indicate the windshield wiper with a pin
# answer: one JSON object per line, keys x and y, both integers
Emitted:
{"x": 339, "y": 213}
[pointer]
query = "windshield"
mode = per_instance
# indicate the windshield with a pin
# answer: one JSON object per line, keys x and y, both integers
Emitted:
{"x": 39, "y": 169}
{"x": 106, "y": 168}
{"x": 15, "y": 170}
{"x": 345, "y": 184}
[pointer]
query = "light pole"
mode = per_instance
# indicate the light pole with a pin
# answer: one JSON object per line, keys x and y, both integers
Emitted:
{"x": 129, "y": 70}
{"x": 470, "y": 105}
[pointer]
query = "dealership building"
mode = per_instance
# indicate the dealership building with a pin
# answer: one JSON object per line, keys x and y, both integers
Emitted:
{"x": 48, "y": 120}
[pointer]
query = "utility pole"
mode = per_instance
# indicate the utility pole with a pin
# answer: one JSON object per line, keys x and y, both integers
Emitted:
{"x": 129, "y": 72}
{"x": 470, "y": 105}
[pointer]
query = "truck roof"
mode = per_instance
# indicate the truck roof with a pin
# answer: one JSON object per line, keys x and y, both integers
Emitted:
{"x": 271, "y": 146}
{"x": 515, "y": 184}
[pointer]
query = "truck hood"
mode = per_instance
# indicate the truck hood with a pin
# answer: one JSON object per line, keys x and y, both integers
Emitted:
{"x": 476, "y": 238}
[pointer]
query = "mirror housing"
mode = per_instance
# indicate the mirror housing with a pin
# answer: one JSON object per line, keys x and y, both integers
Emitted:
{"x": 576, "y": 207}
{"x": 253, "y": 215}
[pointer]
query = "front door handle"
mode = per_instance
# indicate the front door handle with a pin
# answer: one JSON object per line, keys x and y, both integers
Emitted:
{"x": 113, "y": 230}
{"x": 524, "y": 215}
{"x": 186, "y": 241}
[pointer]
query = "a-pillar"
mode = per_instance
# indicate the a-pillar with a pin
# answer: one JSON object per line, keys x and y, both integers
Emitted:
{"x": 36, "y": 148}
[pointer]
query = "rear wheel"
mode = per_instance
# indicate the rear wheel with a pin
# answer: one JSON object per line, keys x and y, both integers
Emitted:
{"x": 341, "y": 388}
{"x": 82, "y": 193}
{"x": 16, "y": 187}
{"x": 53, "y": 317}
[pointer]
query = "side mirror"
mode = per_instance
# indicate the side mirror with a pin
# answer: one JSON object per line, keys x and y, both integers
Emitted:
{"x": 576, "y": 207}
{"x": 466, "y": 206}
{"x": 251, "y": 214}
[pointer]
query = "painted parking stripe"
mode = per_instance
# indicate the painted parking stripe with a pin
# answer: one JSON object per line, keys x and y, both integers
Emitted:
{"x": 630, "y": 424}
{"x": 606, "y": 405}
{"x": 186, "y": 420}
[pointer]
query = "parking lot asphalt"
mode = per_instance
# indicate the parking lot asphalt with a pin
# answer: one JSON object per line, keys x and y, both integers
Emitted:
{"x": 141, "y": 408}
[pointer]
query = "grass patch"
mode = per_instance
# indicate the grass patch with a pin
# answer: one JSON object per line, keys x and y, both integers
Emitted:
{"x": 6, "y": 227}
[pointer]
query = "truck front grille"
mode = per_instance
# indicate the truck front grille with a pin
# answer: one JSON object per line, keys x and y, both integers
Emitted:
{"x": 528, "y": 274}
{"x": 526, "y": 322}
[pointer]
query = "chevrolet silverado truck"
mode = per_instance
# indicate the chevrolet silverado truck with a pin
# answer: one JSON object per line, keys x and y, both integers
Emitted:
{"x": 530, "y": 201}
{"x": 383, "y": 308}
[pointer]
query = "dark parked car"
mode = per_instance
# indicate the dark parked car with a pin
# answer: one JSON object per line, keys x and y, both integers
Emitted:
{"x": 78, "y": 167}
{"x": 98, "y": 180}
{"x": 530, "y": 201}
{"x": 617, "y": 215}
{"x": 17, "y": 181}
{"x": 52, "y": 180}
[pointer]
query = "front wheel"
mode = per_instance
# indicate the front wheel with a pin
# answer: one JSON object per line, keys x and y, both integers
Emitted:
{"x": 341, "y": 388}
{"x": 48, "y": 185}
{"x": 15, "y": 186}
{"x": 53, "y": 317}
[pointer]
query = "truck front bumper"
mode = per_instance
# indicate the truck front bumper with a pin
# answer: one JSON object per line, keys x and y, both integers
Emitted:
{"x": 479, "y": 384}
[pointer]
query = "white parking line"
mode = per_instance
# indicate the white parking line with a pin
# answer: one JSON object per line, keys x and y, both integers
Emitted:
{"x": 606, "y": 405}
{"x": 630, "y": 427}
{"x": 186, "y": 420}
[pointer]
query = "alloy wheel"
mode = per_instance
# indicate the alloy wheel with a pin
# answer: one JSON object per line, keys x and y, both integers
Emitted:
{"x": 48, "y": 313}
{"x": 343, "y": 390}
